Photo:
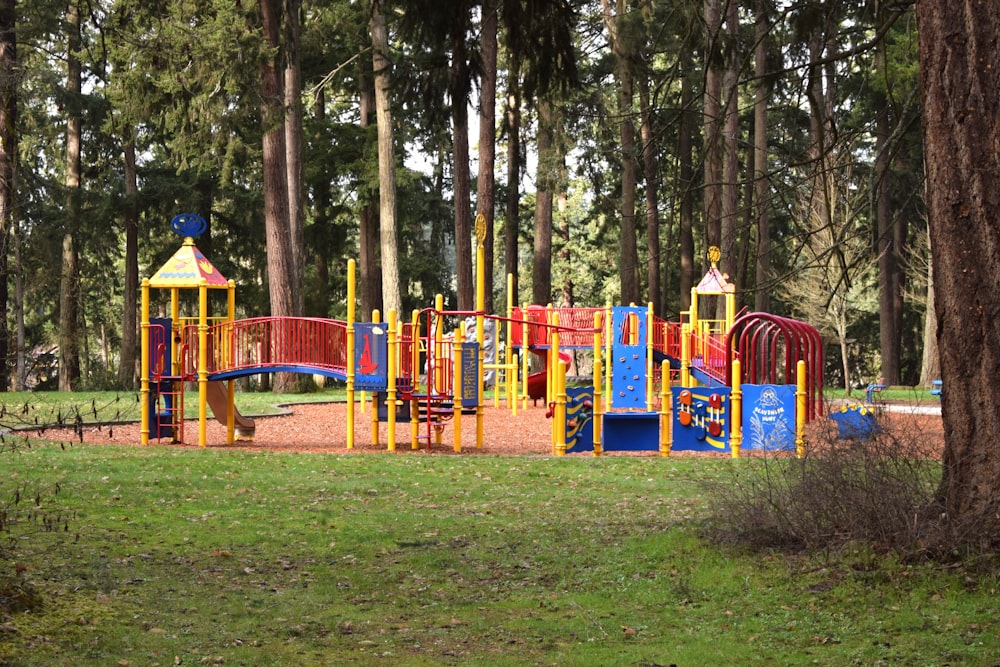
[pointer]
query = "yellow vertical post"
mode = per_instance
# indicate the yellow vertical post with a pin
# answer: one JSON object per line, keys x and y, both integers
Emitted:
{"x": 649, "y": 357}
{"x": 351, "y": 293}
{"x": 510, "y": 372}
{"x": 730, "y": 311}
{"x": 227, "y": 351}
{"x": 525, "y": 347}
{"x": 438, "y": 337}
{"x": 736, "y": 411}
{"x": 800, "y": 409}
{"x": 666, "y": 405}
{"x": 415, "y": 379}
{"x": 553, "y": 368}
{"x": 456, "y": 399}
{"x": 175, "y": 323}
{"x": 144, "y": 362}
{"x": 202, "y": 363}
{"x": 598, "y": 382}
{"x": 559, "y": 414}
{"x": 551, "y": 317}
{"x": 390, "y": 394}
{"x": 686, "y": 355}
{"x": 480, "y": 322}
{"x": 609, "y": 364}
{"x": 376, "y": 319}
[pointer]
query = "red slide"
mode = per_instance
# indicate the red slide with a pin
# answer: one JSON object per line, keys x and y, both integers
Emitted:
{"x": 536, "y": 381}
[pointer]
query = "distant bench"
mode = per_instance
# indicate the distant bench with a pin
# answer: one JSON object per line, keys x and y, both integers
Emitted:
{"x": 873, "y": 388}
{"x": 936, "y": 387}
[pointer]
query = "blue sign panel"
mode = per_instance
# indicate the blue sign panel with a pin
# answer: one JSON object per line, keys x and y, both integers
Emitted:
{"x": 628, "y": 362}
{"x": 769, "y": 417}
{"x": 370, "y": 357}
{"x": 469, "y": 361}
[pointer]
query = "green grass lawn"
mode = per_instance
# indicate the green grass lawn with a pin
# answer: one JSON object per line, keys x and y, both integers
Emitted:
{"x": 187, "y": 557}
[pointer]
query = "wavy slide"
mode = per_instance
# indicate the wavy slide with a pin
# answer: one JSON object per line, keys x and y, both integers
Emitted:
{"x": 536, "y": 381}
{"x": 218, "y": 401}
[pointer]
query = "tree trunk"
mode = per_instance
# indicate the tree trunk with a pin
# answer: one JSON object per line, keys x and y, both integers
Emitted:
{"x": 294, "y": 145}
{"x": 887, "y": 270}
{"x": 729, "y": 262}
{"x": 8, "y": 160}
{"x": 369, "y": 266}
{"x": 651, "y": 179}
{"x": 462, "y": 188}
{"x": 712, "y": 104}
{"x": 541, "y": 266}
{"x": 512, "y": 210}
{"x": 960, "y": 74}
{"x": 388, "y": 245}
{"x": 685, "y": 141}
{"x": 762, "y": 292}
{"x": 128, "y": 366}
{"x": 930, "y": 365}
{"x": 628, "y": 263}
{"x": 69, "y": 283}
{"x": 277, "y": 227}
{"x": 485, "y": 186}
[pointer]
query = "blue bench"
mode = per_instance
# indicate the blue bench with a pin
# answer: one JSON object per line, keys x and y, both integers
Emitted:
{"x": 936, "y": 387}
{"x": 875, "y": 387}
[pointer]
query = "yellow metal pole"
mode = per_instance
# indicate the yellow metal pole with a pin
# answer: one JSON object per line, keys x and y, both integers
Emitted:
{"x": 598, "y": 382}
{"x": 456, "y": 398}
{"x": 390, "y": 395}
{"x": 553, "y": 373}
{"x": 551, "y": 317}
{"x": 144, "y": 366}
{"x": 175, "y": 325}
{"x": 480, "y": 324}
{"x": 523, "y": 387}
{"x": 800, "y": 409}
{"x": 202, "y": 364}
{"x": 510, "y": 372}
{"x": 686, "y": 355}
{"x": 649, "y": 357}
{"x": 666, "y": 406}
{"x": 438, "y": 337}
{"x": 559, "y": 414}
{"x": 415, "y": 379}
{"x": 351, "y": 293}
{"x": 736, "y": 411}
{"x": 609, "y": 361}
{"x": 376, "y": 319}
{"x": 227, "y": 351}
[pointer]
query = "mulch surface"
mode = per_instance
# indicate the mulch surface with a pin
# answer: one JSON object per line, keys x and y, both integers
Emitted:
{"x": 323, "y": 428}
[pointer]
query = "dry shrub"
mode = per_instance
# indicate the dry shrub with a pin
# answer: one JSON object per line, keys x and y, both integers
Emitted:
{"x": 878, "y": 491}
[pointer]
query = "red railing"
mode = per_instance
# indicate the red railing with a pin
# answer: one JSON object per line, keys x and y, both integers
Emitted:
{"x": 270, "y": 343}
{"x": 576, "y": 326}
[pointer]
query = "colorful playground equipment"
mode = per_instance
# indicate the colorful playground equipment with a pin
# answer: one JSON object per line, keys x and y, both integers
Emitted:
{"x": 699, "y": 384}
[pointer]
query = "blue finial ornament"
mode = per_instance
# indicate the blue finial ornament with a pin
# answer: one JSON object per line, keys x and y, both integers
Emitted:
{"x": 188, "y": 225}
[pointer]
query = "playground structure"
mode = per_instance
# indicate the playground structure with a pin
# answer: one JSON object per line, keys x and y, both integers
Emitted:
{"x": 697, "y": 384}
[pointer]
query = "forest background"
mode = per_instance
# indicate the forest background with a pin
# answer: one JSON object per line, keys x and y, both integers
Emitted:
{"x": 612, "y": 143}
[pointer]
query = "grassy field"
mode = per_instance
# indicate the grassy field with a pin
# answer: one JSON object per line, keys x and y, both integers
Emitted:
{"x": 188, "y": 557}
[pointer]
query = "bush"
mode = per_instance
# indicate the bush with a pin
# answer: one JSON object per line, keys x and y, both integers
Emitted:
{"x": 879, "y": 491}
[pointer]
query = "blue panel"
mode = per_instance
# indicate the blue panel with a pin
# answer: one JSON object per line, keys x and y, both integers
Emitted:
{"x": 370, "y": 357}
{"x": 700, "y": 419}
{"x": 855, "y": 422}
{"x": 628, "y": 357}
{"x": 469, "y": 361}
{"x": 769, "y": 417}
{"x": 579, "y": 419}
{"x": 631, "y": 432}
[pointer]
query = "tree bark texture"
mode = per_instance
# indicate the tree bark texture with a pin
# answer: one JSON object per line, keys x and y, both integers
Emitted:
{"x": 69, "y": 283}
{"x": 960, "y": 75}
{"x": 762, "y": 293}
{"x": 369, "y": 267}
{"x": 388, "y": 243}
{"x": 128, "y": 366}
{"x": 8, "y": 158}
{"x": 485, "y": 182}
{"x": 294, "y": 144}
{"x": 541, "y": 266}
{"x": 512, "y": 208}
{"x": 277, "y": 228}
{"x": 712, "y": 122}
